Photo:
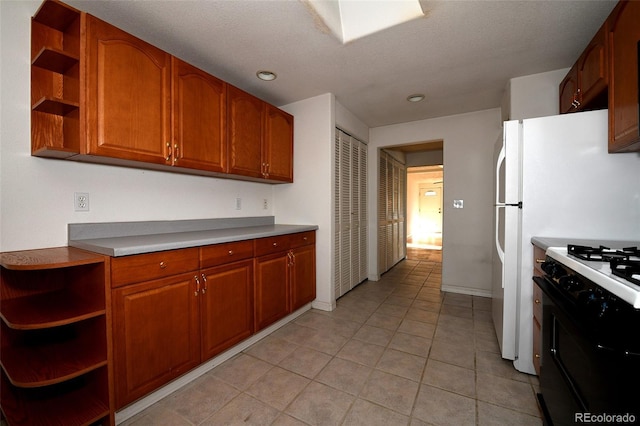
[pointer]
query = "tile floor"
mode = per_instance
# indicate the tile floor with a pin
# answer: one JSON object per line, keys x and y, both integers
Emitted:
{"x": 394, "y": 352}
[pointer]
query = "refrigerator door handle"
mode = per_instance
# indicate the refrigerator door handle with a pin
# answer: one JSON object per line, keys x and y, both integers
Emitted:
{"x": 499, "y": 161}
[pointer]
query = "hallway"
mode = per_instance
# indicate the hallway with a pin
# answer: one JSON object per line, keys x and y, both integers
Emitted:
{"x": 394, "y": 352}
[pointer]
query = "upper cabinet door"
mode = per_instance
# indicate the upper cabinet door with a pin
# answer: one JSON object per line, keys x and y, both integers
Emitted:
{"x": 244, "y": 133}
{"x": 127, "y": 96}
{"x": 623, "y": 79}
{"x": 199, "y": 116}
{"x": 278, "y": 144}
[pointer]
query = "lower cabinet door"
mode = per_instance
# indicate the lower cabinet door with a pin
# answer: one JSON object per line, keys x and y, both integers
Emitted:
{"x": 226, "y": 307}
{"x": 271, "y": 292}
{"x": 156, "y": 335}
{"x": 303, "y": 282}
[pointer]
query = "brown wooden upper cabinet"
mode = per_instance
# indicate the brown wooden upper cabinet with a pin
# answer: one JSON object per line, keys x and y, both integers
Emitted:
{"x": 102, "y": 95}
{"x": 260, "y": 138}
{"x": 623, "y": 85}
{"x": 128, "y": 102}
{"x": 585, "y": 86}
{"x": 606, "y": 76}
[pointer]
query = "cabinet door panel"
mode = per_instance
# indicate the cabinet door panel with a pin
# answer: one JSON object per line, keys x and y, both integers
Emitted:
{"x": 278, "y": 144}
{"x": 593, "y": 69}
{"x": 226, "y": 307}
{"x": 128, "y": 95}
{"x": 303, "y": 286}
{"x": 199, "y": 111}
{"x": 623, "y": 81}
{"x": 156, "y": 335}
{"x": 271, "y": 292}
{"x": 244, "y": 133}
{"x": 569, "y": 91}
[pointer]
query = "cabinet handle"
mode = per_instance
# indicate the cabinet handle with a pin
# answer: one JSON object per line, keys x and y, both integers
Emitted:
{"x": 537, "y": 301}
{"x": 540, "y": 260}
{"x": 204, "y": 280}
{"x": 197, "y": 286}
{"x": 266, "y": 170}
{"x": 537, "y": 356}
{"x": 163, "y": 265}
{"x": 275, "y": 244}
{"x": 176, "y": 153}
{"x": 169, "y": 152}
{"x": 304, "y": 238}
{"x": 230, "y": 252}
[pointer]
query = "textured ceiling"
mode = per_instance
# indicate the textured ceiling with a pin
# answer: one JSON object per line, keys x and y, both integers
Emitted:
{"x": 460, "y": 55}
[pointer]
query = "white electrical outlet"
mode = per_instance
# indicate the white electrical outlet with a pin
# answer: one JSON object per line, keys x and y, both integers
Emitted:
{"x": 265, "y": 204}
{"x": 238, "y": 203}
{"x": 81, "y": 201}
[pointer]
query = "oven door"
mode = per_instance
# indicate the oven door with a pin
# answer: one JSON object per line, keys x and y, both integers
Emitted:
{"x": 579, "y": 375}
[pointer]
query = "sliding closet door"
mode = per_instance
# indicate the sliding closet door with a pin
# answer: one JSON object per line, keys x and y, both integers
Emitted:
{"x": 350, "y": 214}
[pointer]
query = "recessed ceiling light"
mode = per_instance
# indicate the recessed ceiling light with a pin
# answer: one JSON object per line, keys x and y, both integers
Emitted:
{"x": 266, "y": 75}
{"x": 415, "y": 98}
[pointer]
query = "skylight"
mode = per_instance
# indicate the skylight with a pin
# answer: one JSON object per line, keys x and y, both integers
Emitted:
{"x": 353, "y": 19}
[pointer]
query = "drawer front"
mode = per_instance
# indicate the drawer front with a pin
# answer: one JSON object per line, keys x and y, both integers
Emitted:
{"x": 269, "y": 245}
{"x": 302, "y": 239}
{"x": 150, "y": 266}
{"x": 219, "y": 254}
{"x": 537, "y": 346}
{"x": 538, "y": 258}
{"x": 537, "y": 303}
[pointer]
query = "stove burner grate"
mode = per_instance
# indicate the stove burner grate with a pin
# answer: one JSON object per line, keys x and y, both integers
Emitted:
{"x": 602, "y": 253}
{"x": 626, "y": 269}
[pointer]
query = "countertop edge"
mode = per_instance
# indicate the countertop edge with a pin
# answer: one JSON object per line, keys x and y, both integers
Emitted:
{"x": 547, "y": 242}
{"x": 140, "y": 244}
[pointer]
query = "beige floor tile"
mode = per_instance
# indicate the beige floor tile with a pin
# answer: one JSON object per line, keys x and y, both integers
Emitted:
{"x": 287, "y": 420}
{"x": 375, "y": 335}
{"x": 426, "y": 305}
{"x": 488, "y": 362}
{"x": 294, "y": 333}
{"x": 278, "y": 387}
{"x": 411, "y": 344}
{"x": 417, "y": 328}
{"x": 365, "y": 413}
{"x": 392, "y": 309}
{"x": 156, "y": 415}
{"x": 385, "y": 321}
{"x": 451, "y": 378}
{"x": 320, "y": 405}
{"x": 456, "y": 311}
{"x": 492, "y": 415}
{"x": 439, "y": 407}
{"x": 481, "y": 303}
{"x": 271, "y": 349}
{"x": 461, "y": 300}
{"x": 390, "y": 391}
{"x": 422, "y": 315}
{"x": 506, "y": 393}
{"x": 326, "y": 341}
{"x": 243, "y": 410}
{"x": 461, "y": 354}
{"x": 409, "y": 291}
{"x": 345, "y": 375}
{"x": 398, "y": 301}
{"x": 402, "y": 364}
{"x": 200, "y": 399}
{"x": 306, "y": 362}
{"x": 361, "y": 352}
{"x": 241, "y": 371}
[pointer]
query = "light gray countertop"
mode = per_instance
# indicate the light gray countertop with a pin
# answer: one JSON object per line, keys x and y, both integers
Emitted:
{"x": 546, "y": 242}
{"x": 127, "y": 238}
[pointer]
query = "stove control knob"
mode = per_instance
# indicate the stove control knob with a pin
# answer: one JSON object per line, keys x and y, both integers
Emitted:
{"x": 552, "y": 269}
{"x": 571, "y": 283}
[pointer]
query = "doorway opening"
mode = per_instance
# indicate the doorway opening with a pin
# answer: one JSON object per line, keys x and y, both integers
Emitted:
{"x": 424, "y": 207}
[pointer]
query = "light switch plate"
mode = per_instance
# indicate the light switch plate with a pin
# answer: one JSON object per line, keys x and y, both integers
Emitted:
{"x": 458, "y": 204}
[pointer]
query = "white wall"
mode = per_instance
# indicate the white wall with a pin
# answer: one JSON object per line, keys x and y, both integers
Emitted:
{"x": 36, "y": 195}
{"x": 534, "y": 95}
{"x": 468, "y": 175}
{"x": 309, "y": 200}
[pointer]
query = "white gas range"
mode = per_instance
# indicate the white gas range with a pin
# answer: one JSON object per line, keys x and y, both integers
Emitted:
{"x": 595, "y": 264}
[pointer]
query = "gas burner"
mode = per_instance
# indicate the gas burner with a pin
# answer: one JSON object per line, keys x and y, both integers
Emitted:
{"x": 602, "y": 253}
{"x": 627, "y": 269}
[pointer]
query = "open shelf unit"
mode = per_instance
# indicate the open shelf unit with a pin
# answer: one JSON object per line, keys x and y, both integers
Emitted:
{"x": 55, "y": 80}
{"x": 54, "y": 343}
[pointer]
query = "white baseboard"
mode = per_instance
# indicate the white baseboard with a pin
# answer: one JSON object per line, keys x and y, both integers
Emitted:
{"x": 147, "y": 401}
{"x": 466, "y": 290}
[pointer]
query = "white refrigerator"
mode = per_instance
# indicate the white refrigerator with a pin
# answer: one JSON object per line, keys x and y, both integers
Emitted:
{"x": 553, "y": 178}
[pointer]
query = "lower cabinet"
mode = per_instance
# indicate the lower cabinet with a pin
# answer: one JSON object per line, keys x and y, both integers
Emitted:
{"x": 538, "y": 258}
{"x": 174, "y": 310}
{"x": 226, "y": 307}
{"x": 156, "y": 334}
